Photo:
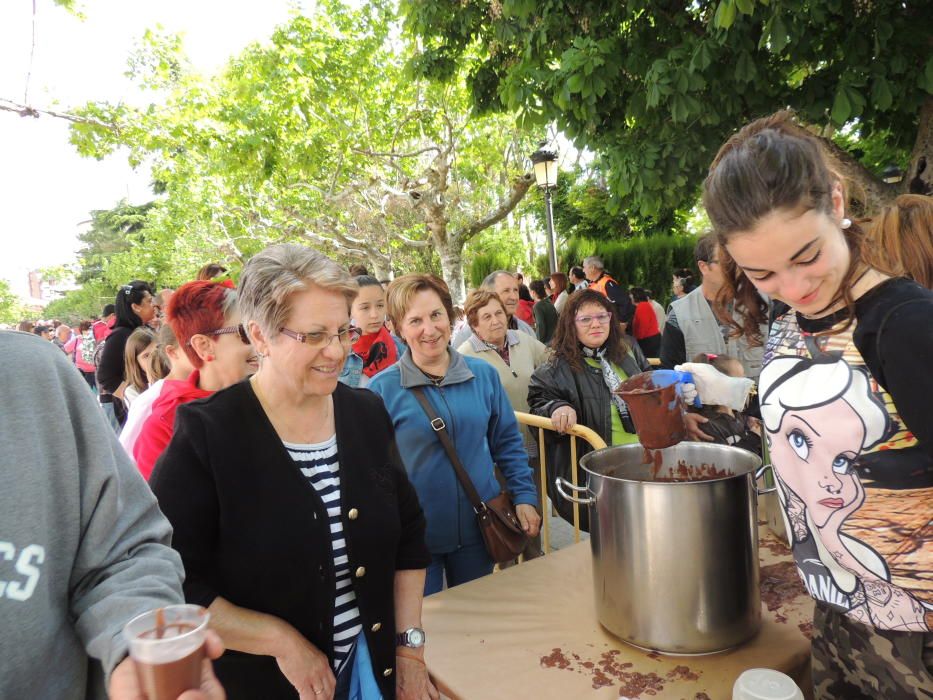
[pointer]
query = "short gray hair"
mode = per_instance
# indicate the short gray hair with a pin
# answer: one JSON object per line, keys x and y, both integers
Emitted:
{"x": 489, "y": 281}
{"x": 594, "y": 261}
{"x": 271, "y": 277}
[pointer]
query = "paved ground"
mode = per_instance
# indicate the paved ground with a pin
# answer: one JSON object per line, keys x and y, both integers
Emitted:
{"x": 562, "y": 532}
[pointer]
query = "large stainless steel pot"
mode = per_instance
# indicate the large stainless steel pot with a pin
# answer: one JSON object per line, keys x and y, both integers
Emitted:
{"x": 675, "y": 564}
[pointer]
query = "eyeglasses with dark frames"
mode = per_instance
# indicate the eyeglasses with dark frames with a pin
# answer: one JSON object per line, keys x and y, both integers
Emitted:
{"x": 320, "y": 339}
{"x": 238, "y": 329}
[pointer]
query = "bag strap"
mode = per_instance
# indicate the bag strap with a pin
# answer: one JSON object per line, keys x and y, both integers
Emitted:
{"x": 440, "y": 429}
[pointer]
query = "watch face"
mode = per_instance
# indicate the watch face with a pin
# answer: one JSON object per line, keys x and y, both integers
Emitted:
{"x": 416, "y": 637}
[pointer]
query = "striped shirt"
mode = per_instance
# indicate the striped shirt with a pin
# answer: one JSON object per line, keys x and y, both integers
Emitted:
{"x": 319, "y": 463}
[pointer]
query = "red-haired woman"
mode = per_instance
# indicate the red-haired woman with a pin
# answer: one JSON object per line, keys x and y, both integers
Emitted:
{"x": 206, "y": 322}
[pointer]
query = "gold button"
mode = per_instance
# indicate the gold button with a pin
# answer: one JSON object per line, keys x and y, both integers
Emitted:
{"x": 353, "y": 513}
{"x": 387, "y": 672}
{"x": 360, "y": 571}
{"x": 377, "y": 627}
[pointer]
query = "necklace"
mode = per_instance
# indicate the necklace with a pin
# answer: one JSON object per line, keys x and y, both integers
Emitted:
{"x": 436, "y": 379}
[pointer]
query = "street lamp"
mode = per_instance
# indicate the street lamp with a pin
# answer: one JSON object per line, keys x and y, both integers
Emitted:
{"x": 544, "y": 161}
{"x": 892, "y": 174}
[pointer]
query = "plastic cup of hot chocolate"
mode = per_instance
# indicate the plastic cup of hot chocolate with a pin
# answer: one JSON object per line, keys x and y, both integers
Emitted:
{"x": 167, "y": 648}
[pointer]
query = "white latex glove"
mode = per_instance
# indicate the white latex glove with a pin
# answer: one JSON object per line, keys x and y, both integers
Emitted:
{"x": 690, "y": 393}
{"x": 717, "y": 388}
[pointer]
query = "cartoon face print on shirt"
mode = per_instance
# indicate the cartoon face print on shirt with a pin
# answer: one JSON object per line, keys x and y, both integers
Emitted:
{"x": 820, "y": 415}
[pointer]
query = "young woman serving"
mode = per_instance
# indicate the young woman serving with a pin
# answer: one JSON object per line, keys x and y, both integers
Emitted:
{"x": 844, "y": 399}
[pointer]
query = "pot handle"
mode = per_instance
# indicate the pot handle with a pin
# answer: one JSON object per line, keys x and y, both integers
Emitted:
{"x": 760, "y": 473}
{"x": 559, "y": 483}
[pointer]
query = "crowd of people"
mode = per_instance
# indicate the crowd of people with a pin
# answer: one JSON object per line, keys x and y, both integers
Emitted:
{"x": 306, "y": 432}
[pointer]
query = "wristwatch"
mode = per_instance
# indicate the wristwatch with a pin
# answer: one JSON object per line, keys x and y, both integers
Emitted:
{"x": 413, "y": 638}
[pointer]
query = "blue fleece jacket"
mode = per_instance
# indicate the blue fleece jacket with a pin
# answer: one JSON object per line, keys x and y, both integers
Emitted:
{"x": 471, "y": 401}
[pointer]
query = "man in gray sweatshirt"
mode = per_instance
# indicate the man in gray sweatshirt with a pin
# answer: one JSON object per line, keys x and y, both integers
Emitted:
{"x": 83, "y": 545}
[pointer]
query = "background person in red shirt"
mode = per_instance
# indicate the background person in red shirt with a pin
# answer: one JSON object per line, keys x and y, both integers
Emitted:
{"x": 645, "y": 323}
{"x": 206, "y": 321}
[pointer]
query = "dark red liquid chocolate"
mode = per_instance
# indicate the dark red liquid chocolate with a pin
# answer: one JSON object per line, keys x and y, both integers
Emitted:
{"x": 656, "y": 412}
{"x": 166, "y": 681}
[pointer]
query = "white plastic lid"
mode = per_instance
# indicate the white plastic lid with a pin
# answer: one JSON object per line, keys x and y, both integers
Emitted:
{"x": 765, "y": 684}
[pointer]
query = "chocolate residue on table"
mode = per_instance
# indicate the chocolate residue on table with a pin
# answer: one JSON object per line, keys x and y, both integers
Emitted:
{"x": 607, "y": 670}
{"x": 701, "y": 696}
{"x": 555, "y": 659}
{"x": 775, "y": 546}
{"x": 807, "y": 629}
{"x": 780, "y": 584}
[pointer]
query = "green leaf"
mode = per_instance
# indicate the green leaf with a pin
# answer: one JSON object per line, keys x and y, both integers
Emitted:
{"x": 679, "y": 108}
{"x": 654, "y": 95}
{"x": 745, "y": 70}
{"x": 746, "y": 7}
{"x": 881, "y": 94}
{"x": 575, "y": 83}
{"x": 779, "y": 38}
{"x": 702, "y": 57}
{"x": 841, "y": 107}
{"x": 725, "y": 14}
{"x": 926, "y": 81}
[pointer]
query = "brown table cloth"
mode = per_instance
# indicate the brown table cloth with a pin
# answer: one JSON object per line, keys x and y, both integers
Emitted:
{"x": 531, "y": 632}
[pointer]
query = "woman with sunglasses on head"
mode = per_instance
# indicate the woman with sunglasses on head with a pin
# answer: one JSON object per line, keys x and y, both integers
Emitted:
{"x": 845, "y": 402}
{"x": 294, "y": 518}
{"x": 589, "y": 360}
{"x": 134, "y": 307}
{"x": 206, "y": 321}
{"x": 376, "y": 348}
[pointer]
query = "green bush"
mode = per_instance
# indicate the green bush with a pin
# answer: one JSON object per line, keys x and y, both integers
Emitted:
{"x": 636, "y": 262}
{"x": 486, "y": 262}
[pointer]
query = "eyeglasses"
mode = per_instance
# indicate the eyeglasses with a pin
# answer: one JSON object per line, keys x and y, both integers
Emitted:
{"x": 320, "y": 340}
{"x": 602, "y": 319}
{"x": 238, "y": 329}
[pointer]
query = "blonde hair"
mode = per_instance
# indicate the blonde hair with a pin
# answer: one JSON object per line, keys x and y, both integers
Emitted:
{"x": 904, "y": 234}
{"x": 403, "y": 289}
{"x": 139, "y": 340}
{"x": 271, "y": 278}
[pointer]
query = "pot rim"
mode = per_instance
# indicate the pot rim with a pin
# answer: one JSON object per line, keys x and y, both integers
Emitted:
{"x": 755, "y": 465}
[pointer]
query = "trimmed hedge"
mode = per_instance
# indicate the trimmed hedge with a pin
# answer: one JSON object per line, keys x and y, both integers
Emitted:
{"x": 484, "y": 263}
{"x": 636, "y": 262}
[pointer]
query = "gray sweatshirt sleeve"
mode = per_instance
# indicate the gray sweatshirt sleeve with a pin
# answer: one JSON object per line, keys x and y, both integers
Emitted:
{"x": 124, "y": 564}
{"x": 97, "y": 518}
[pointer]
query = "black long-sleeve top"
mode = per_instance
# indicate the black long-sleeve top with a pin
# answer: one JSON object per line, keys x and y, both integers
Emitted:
{"x": 250, "y": 528}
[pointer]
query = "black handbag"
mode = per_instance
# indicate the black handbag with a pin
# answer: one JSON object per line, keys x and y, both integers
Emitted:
{"x": 499, "y": 525}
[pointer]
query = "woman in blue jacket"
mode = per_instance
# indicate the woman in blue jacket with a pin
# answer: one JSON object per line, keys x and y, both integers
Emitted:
{"x": 468, "y": 395}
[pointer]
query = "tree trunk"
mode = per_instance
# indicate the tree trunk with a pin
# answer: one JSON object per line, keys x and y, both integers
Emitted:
{"x": 867, "y": 192}
{"x": 452, "y": 269}
{"x": 919, "y": 179}
{"x": 377, "y": 268}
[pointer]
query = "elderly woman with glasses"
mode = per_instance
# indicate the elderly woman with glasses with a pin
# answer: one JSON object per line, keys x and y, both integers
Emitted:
{"x": 292, "y": 512}
{"x": 206, "y": 322}
{"x": 590, "y": 360}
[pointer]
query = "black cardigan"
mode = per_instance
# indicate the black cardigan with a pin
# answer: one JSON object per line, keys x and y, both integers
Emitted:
{"x": 250, "y": 528}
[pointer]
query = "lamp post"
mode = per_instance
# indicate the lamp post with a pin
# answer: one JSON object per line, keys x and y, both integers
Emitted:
{"x": 892, "y": 175}
{"x": 544, "y": 161}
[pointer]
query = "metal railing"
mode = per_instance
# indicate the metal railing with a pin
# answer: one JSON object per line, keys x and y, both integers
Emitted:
{"x": 577, "y": 431}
